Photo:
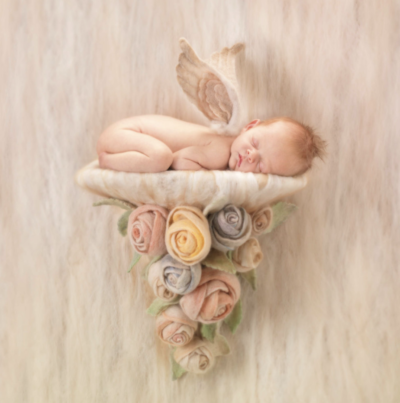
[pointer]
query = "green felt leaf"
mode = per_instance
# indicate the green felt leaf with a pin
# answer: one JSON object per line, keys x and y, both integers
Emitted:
{"x": 235, "y": 317}
{"x": 136, "y": 258}
{"x": 218, "y": 260}
{"x": 145, "y": 272}
{"x": 115, "y": 202}
{"x": 251, "y": 278}
{"x": 176, "y": 369}
{"x": 222, "y": 344}
{"x": 209, "y": 331}
{"x": 158, "y": 306}
{"x": 230, "y": 254}
{"x": 281, "y": 211}
{"x": 123, "y": 222}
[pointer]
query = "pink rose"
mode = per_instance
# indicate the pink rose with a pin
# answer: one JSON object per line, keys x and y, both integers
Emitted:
{"x": 146, "y": 229}
{"x": 174, "y": 327}
{"x": 214, "y": 297}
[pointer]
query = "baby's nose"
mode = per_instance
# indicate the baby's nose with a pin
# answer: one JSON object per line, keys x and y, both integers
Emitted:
{"x": 251, "y": 155}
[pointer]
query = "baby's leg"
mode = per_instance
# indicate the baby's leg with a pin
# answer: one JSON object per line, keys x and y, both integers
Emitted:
{"x": 130, "y": 151}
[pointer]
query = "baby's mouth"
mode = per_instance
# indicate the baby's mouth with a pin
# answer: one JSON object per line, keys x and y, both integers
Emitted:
{"x": 240, "y": 160}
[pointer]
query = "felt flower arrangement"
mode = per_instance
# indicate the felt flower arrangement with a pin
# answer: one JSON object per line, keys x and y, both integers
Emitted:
{"x": 196, "y": 270}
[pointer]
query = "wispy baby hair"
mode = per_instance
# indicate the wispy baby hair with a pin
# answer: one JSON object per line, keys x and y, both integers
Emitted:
{"x": 307, "y": 143}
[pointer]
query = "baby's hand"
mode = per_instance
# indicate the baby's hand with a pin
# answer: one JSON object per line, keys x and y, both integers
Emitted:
{"x": 213, "y": 156}
{"x": 185, "y": 161}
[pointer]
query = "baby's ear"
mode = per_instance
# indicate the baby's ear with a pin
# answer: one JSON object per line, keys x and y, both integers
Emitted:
{"x": 252, "y": 124}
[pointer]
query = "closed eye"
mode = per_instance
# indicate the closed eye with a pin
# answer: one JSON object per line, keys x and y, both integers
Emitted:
{"x": 255, "y": 143}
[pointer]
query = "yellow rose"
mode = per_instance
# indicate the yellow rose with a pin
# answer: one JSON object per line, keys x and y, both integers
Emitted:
{"x": 187, "y": 238}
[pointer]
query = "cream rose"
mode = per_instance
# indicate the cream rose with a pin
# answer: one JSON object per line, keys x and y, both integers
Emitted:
{"x": 146, "y": 229}
{"x": 262, "y": 221}
{"x": 229, "y": 227}
{"x": 174, "y": 327}
{"x": 214, "y": 297}
{"x": 197, "y": 356}
{"x": 187, "y": 237}
{"x": 176, "y": 276}
{"x": 157, "y": 284}
{"x": 248, "y": 256}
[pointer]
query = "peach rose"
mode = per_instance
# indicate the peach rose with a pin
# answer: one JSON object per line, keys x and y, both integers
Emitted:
{"x": 248, "y": 256}
{"x": 262, "y": 221}
{"x": 174, "y": 327}
{"x": 230, "y": 228}
{"x": 197, "y": 356}
{"x": 188, "y": 237}
{"x": 214, "y": 297}
{"x": 146, "y": 229}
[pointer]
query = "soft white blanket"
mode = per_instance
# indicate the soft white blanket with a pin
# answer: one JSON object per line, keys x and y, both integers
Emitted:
{"x": 208, "y": 190}
{"x": 324, "y": 325}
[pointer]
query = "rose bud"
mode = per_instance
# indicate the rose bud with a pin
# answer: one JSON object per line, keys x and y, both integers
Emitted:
{"x": 248, "y": 256}
{"x": 197, "y": 356}
{"x": 262, "y": 221}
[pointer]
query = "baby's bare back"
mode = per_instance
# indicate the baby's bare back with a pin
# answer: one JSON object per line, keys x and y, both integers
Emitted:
{"x": 190, "y": 146}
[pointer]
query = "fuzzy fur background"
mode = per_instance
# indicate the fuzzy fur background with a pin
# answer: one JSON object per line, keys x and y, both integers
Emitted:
{"x": 324, "y": 325}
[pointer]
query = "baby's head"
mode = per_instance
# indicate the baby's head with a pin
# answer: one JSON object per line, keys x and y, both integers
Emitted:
{"x": 280, "y": 146}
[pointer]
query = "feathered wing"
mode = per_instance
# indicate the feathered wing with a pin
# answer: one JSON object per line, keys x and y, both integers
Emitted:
{"x": 212, "y": 85}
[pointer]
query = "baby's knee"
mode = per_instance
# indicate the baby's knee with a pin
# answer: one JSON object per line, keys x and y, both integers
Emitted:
{"x": 101, "y": 146}
{"x": 102, "y": 159}
{"x": 163, "y": 159}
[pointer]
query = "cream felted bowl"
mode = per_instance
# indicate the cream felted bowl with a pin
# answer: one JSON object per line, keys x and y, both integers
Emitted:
{"x": 207, "y": 190}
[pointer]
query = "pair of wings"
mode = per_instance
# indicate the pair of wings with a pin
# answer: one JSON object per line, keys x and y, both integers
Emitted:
{"x": 212, "y": 85}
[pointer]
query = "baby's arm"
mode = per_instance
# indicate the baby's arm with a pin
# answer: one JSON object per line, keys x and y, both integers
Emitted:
{"x": 212, "y": 156}
{"x": 190, "y": 158}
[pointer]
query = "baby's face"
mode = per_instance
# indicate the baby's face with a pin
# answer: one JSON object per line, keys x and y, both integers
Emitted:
{"x": 265, "y": 149}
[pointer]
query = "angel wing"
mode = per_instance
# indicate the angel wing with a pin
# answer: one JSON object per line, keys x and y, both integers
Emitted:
{"x": 212, "y": 85}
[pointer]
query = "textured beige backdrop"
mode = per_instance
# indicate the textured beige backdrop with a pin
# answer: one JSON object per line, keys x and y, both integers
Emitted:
{"x": 324, "y": 324}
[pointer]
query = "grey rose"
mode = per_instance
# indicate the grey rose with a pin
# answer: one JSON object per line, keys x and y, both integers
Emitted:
{"x": 175, "y": 276}
{"x": 230, "y": 228}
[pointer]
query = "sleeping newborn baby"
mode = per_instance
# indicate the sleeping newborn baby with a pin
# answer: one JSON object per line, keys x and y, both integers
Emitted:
{"x": 154, "y": 143}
